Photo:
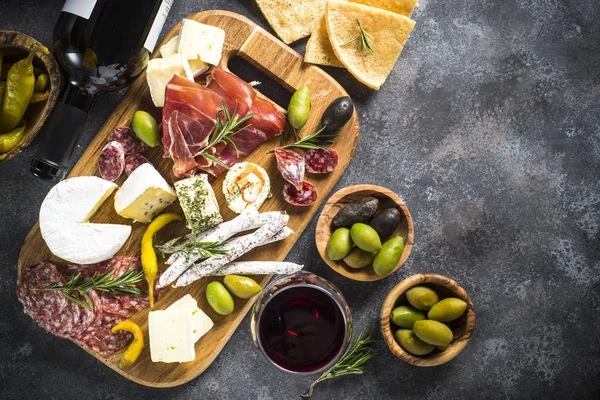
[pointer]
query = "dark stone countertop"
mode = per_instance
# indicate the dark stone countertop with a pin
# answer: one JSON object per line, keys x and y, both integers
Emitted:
{"x": 489, "y": 129}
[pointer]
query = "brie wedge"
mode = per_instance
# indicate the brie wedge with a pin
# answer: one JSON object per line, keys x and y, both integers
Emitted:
{"x": 161, "y": 70}
{"x": 171, "y": 336}
{"x": 246, "y": 187}
{"x": 197, "y": 66}
{"x": 202, "y": 41}
{"x": 63, "y": 221}
{"x": 200, "y": 321}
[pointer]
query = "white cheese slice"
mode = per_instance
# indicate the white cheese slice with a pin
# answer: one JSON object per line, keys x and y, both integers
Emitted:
{"x": 161, "y": 70}
{"x": 171, "y": 336}
{"x": 198, "y": 202}
{"x": 169, "y": 48}
{"x": 246, "y": 187}
{"x": 63, "y": 221}
{"x": 202, "y": 41}
{"x": 144, "y": 194}
{"x": 202, "y": 322}
{"x": 197, "y": 66}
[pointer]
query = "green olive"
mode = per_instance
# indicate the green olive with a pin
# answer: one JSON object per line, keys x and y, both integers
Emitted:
{"x": 339, "y": 244}
{"x": 241, "y": 286}
{"x": 447, "y": 310}
{"x": 365, "y": 237}
{"x": 145, "y": 128}
{"x": 219, "y": 298}
{"x": 406, "y": 316}
{"x": 433, "y": 332}
{"x": 411, "y": 343}
{"x": 388, "y": 256}
{"x": 422, "y": 297}
{"x": 299, "y": 107}
{"x": 358, "y": 258}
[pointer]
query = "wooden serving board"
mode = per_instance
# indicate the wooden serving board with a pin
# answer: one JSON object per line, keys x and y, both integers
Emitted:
{"x": 248, "y": 40}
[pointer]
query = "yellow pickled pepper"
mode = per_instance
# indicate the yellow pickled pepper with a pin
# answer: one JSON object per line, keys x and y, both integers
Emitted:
{"x": 20, "y": 82}
{"x": 131, "y": 354}
{"x": 149, "y": 260}
{"x": 10, "y": 140}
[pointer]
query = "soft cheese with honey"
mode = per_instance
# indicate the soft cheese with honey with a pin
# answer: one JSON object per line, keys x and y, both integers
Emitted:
{"x": 246, "y": 186}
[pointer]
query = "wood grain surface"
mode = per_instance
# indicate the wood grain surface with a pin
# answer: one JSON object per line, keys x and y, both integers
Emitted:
{"x": 15, "y": 46}
{"x": 246, "y": 39}
{"x": 352, "y": 194}
{"x": 462, "y": 328}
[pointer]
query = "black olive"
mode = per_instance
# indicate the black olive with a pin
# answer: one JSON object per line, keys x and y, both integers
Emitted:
{"x": 357, "y": 212}
{"x": 386, "y": 222}
{"x": 337, "y": 114}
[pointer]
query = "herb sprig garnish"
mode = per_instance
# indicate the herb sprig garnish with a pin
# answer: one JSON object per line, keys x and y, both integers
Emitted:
{"x": 365, "y": 39}
{"x": 227, "y": 125}
{"x": 124, "y": 284}
{"x": 204, "y": 249}
{"x": 315, "y": 141}
{"x": 351, "y": 362}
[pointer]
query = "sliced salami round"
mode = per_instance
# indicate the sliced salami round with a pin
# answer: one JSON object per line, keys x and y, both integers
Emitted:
{"x": 321, "y": 161}
{"x": 133, "y": 161}
{"x": 122, "y": 264}
{"x": 291, "y": 166}
{"x": 39, "y": 303}
{"x": 103, "y": 341}
{"x": 62, "y": 324}
{"x": 111, "y": 161}
{"x": 86, "y": 316}
{"x": 303, "y": 197}
{"x": 69, "y": 270}
{"x": 128, "y": 139}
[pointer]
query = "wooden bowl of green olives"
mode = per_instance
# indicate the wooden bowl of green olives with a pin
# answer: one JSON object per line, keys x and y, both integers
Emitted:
{"x": 365, "y": 232}
{"x": 34, "y": 87}
{"x": 427, "y": 320}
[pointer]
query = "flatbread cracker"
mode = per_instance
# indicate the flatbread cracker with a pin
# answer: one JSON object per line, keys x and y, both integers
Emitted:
{"x": 318, "y": 48}
{"x": 388, "y": 32}
{"x": 292, "y": 20}
{"x": 402, "y": 7}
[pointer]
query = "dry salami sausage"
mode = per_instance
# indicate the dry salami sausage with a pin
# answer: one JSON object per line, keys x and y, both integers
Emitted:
{"x": 127, "y": 138}
{"x": 303, "y": 197}
{"x": 37, "y": 303}
{"x": 133, "y": 161}
{"x": 321, "y": 161}
{"x": 291, "y": 166}
{"x": 111, "y": 161}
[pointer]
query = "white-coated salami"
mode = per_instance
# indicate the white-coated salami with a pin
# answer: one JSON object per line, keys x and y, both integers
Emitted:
{"x": 321, "y": 161}
{"x": 291, "y": 165}
{"x": 304, "y": 197}
{"x": 255, "y": 268}
{"x": 133, "y": 161}
{"x": 111, "y": 161}
{"x": 127, "y": 138}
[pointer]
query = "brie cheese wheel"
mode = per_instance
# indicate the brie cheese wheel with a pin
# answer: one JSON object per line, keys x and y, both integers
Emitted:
{"x": 202, "y": 41}
{"x": 171, "y": 336}
{"x": 200, "y": 321}
{"x": 144, "y": 194}
{"x": 246, "y": 187}
{"x": 161, "y": 70}
{"x": 63, "y": 221}
{"x": 198, "y": 202}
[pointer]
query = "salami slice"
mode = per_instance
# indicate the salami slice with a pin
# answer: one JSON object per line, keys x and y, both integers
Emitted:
{"x": 291, "y": 166}
{"x": 86, "y": 316}
{"x": 321, "y": 161}
{"x": 127, "y": 138}
{"x": 133, "y": 161}
{"x": 112, "y": 304}
{"x": 303, "y": 197}
{"x": 103, "y": 341}
{"x": 123, "y": 264}
{"x": 111, "y": 161}
{"x": 40, "y": 304}
{"x": 62, "y": 324}
{"x": 69, "y": 270}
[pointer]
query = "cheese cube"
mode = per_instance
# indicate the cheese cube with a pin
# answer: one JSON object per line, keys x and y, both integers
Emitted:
{"x": 161, "y": 70}
{"x": 201, "y": 322}
{"x": 200, "y": 40}
{"x": 144, "y": 194}
{"x": 171, "y": 337}
{"x": 198, "y": 202}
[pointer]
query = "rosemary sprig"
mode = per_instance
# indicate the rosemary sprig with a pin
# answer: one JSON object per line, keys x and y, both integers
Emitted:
{"x": 124, "y": 284}
{"x": 365, "y": 39}
{"x": 351, "y": 362}
{"x": 227, "y": 125}
{"x": 315, "y": 141}
{"x": 204, "y": 249}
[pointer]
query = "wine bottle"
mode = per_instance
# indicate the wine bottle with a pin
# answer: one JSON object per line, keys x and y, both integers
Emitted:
{"x": 100, "y": 46}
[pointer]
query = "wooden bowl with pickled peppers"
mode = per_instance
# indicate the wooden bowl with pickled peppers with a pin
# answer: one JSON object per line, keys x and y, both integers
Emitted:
{"x": 15, "y": 46}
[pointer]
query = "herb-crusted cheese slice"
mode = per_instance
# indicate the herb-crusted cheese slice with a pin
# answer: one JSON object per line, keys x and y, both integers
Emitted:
{"x": 198, "y": 203}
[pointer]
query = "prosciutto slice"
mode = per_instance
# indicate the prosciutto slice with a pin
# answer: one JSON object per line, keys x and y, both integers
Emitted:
{"x": 189, "y": 118}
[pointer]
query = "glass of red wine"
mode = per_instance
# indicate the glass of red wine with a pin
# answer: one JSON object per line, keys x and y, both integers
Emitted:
{"x": 301, "y": 323}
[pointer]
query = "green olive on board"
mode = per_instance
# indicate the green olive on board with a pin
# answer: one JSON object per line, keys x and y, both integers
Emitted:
{"x": 447, "y": 309}
{"x": 146, "y": 129}
{"x": 386, "y": 222}
{"x": 388, "y": 256}
{"x": 422, "y": 297}
{"x": 406, "y": 316}
{"x": 358, "y": 258}
{"x": 352, "y": 213}
{"x": 241, "y": 286}
{"x": 219, "y": 298}
{"x": 339, "y": 244}
{"x": 365, "y": 237}
{"x": 433, "y": 332}
{"x": 411, "y": 343}
{"x": 299, "y": 107}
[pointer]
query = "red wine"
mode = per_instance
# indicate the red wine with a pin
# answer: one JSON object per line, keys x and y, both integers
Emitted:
{"x": 302, "y": 329}
{"x": 100, "y": 46}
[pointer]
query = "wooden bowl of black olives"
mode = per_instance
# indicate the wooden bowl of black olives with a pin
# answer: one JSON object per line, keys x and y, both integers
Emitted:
{"x": 427, "y": 320}
{"x": 365, "y": 232}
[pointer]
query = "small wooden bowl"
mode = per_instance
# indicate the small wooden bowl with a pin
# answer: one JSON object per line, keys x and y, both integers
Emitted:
{"x": 462, "y": 327}
{"x": 351, "y": 194}
{"x": 15, "y": 46}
